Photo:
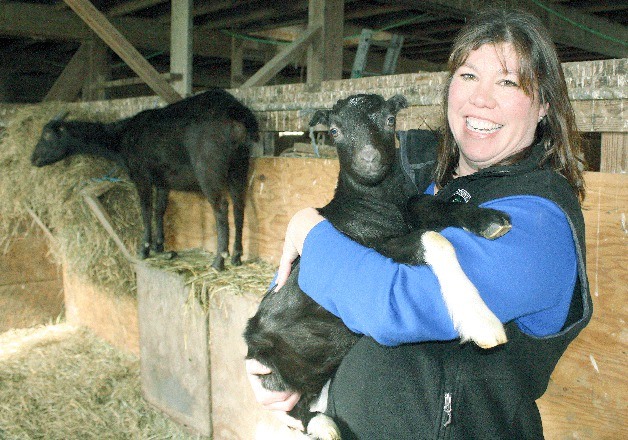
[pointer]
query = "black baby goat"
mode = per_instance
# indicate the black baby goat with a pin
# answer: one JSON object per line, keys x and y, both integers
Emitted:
{"x": 200, "y": 143}
{"x": 302, "y": 343}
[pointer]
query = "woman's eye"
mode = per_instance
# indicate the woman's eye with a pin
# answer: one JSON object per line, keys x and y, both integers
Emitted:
{"x": 467, "y": 76}
{"x": 390, "y": 121}
{"x": 509, "y": 83}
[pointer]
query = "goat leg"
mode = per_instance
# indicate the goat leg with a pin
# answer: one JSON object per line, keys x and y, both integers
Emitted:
{"x": 427, "y": 212}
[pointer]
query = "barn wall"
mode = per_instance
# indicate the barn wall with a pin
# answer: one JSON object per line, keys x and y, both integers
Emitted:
{"x": 585, "y": 398}
{"x": 31, "y": 289}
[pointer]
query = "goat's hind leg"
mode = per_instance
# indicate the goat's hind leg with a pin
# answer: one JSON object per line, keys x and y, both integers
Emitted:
{"x": 309, "y": 410}
{"x": 161, "y": 203}
{"x": 145, "y": 193}
{"x": 220, "y": 207}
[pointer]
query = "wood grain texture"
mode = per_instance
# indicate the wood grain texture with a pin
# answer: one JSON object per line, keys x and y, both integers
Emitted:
{"x": 586, "y": 398}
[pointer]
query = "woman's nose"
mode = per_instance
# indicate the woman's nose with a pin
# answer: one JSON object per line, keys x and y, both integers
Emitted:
{"x": 483, "y": 96}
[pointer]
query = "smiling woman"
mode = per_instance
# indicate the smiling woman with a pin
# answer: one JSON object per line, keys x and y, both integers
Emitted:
{"x": 509, "y": 142}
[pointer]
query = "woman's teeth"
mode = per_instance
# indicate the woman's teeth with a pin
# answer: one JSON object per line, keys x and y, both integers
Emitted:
{"x": 482, "y": 126}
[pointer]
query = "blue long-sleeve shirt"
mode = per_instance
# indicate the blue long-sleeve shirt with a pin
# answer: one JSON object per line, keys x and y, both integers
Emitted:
{"x": 527, "y": 275}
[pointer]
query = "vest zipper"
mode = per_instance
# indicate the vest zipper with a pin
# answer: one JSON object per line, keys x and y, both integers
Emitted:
{"x": 447, "y": 410}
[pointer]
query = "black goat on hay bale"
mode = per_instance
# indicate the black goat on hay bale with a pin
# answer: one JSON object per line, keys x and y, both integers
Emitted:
{"x": 201, "y": 143}
{"x": 302, "y": 343}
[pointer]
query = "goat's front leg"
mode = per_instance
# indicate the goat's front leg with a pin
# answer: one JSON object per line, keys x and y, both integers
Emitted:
{"x": 470, "y": 315}
{"x": 161, "y": 203}
{"x": 428, "y": 212}
{"x": 145, "y": 193}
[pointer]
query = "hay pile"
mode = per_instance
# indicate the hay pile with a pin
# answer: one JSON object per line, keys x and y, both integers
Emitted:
{"x": 53, "y": 194}
{"x": 61, "y": 382}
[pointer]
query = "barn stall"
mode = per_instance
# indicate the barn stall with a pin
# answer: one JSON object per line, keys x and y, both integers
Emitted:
{"x": 48, "y": 212}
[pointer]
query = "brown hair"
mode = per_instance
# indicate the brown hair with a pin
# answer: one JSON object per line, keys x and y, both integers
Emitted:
{"x": 540, "y": 76}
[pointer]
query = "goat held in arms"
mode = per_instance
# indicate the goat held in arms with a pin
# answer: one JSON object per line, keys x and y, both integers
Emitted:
{"x": 201, "y": 143}
{"x": 301, "y": 342}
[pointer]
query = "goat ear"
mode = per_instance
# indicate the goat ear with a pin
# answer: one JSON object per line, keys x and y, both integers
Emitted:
{"x": 320, "y": 117}
{"x": 398, "y": 102}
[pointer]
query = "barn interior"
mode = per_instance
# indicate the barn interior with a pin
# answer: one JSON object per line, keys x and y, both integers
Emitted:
{"x": 70, "y": 285}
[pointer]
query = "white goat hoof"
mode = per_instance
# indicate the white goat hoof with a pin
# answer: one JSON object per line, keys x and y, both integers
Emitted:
{"x": 481, "y": 326}
{"x": 322, "y": 427}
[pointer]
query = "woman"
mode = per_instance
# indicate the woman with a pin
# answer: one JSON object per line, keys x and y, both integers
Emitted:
{"x": 509, "y": 143}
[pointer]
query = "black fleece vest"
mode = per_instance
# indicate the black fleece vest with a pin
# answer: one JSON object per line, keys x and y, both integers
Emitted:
{"x": 453, "y": 391}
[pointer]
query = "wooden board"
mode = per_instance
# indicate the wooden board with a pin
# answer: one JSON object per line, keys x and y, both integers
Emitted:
{"x": 586, "y": 397}
{"x": 31, "y": 288}
{"x": 174, "y": 349}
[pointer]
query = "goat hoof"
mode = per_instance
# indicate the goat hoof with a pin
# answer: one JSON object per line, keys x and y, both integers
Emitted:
{"x": 236, "y": 260}
{"x": 496, "y": 230}
{"x": 323, "y": 427}
{"x": 490, "y": 224}
{"x": 219, "y": 264}
{"x": 144, "y": 251}
{"x": 159, "y": 248}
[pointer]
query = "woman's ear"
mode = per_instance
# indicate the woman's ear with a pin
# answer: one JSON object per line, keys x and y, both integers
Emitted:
{"x": 543, "y": 108}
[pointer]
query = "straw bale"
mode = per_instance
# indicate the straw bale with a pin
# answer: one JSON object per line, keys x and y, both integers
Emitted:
{"x": 61, "y": 382}
{"x": 53, "y": 194}
{"x": 194, "y": 265}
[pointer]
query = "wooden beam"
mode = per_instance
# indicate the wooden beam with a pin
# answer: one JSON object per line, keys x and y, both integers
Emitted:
{"x": 31, "y": 20}
{"x": 181, "y": 45}
{"x": 324, "y": 57}
{"x": 567, "y": 26}
{"x": 281, "y": 60}
{"x": 69, "y": 83}
{"x": 120, "y": 45}
{"x": 97, "y": 71}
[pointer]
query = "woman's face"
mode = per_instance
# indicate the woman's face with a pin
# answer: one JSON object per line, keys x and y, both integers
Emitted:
{"x": 490, "y": 116}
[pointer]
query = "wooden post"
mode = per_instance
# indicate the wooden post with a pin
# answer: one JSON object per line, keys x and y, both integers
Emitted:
{"x": 181, "y": 45}
{"x": 97, "y": 71}
{"x": 237, "y": 62}
{"x": 324, "y": 61}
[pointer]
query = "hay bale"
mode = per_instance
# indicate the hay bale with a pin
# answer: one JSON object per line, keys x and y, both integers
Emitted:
{"x": 194, "y": 266}
{"x": 53, "y": 194}
{"x": 61, "y": 382}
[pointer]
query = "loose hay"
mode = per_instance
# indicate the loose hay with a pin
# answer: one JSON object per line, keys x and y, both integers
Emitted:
{"x": 61, "y": 382}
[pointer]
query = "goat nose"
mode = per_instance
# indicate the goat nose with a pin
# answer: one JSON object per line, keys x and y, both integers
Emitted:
{"x": 369, "y": 154}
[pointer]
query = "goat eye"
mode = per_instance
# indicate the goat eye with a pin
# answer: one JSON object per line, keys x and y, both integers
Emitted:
{"x": 334, "y": 132}
{"x": 390, "y": 121}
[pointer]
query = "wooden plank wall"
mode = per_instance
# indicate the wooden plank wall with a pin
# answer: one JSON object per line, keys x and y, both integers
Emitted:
{"x": 31, "y": 288}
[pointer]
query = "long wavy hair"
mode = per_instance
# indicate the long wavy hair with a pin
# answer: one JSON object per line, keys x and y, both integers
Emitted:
{"x": 540, "y": 76}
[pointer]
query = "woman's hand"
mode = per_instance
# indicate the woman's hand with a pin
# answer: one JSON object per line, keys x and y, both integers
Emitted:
{"x": 278, "y": 402}
{"x": 298, "y": 228}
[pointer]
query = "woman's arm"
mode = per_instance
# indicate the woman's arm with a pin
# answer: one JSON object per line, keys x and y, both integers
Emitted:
{"x": 527, "y": 275}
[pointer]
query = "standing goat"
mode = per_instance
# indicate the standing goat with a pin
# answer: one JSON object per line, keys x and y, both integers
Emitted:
{"x": 200, "y": 143}
{"x": 302, "y": 343}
